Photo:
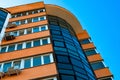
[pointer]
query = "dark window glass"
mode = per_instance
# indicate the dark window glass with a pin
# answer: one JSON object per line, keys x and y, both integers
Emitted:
{"x": 41, "y": 10}
{"x": 90, "y": 52}
{"x": 29, "y": 30}
{"x": 62, "y": 71}
{"x": 21, "y": 32}
{"x": 80, "y": 70}
{"x": 43, "y": 28}
{"x": 36, "y": 43}
{"x": 6, "y": 66}
{"x": 86, "y": 41}
{"x": 108, "y": 79}
{"x": 19, "y": 46}
{"x": 11, "y": 48}
{"x": 30, "y": 12}
{"x": 23, "y": 21}
{"x": 97, "y": 65}
{"x": 71, "y": 47}
{"x": 63, "y": 59}
{"x": 29, "y": 20}
{"x": 17, "y": 22}
{"x": 42, "y": 18}
{"x": 82, "y": 75}
{"x": 36, "y": 29}
{"x": 46, "y": 59}
{"x": 64, "y": 66}
{"x": 27, "y": 63}
{"x": 17, "y": 64}
{"x": 36, "y": 61}
{"x": 60, "y": 49}
{"x": 54, "y": 27}
{"x": 44, "y": 41}
{"x": 28, "y": 44}
{"x": 18, "y": 14}
{"x": 35, "y": 19}
{"x": 76, "y": 62}
{"x": 23, "y": 13}
{"x": 55, "y": 32}
{"x": 57, "y": 43}
{"x": 35, "y": 11}
{"x": 15, "y": 33}
{"x": 67, "y": 77}
{"x": 3, "y": 49}
{"x": 61, "y": 53}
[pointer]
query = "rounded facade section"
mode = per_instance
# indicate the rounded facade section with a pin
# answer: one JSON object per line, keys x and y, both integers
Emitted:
{"x": 70, "y": 59}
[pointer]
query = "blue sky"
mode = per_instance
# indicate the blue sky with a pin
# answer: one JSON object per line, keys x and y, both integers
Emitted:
{"x": 101, "y": 18}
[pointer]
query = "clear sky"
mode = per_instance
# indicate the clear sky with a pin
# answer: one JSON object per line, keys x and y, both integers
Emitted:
{"x": 101, "y": 18}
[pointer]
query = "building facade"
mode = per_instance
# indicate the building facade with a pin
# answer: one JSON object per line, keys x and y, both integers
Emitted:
{"x": 47, "y": 42}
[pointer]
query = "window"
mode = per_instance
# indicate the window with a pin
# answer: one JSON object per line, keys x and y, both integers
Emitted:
{"x": 64, "y": 66}
{"x": 67, "y": 77}
{"x": 36, "y": 43}
{"x": 6, "y": 66}
{"x": 27, "y": 63}
{"x": 19, "y": 46}
{"x": 90, "y": 52}
{"x": 28, "y": 45}
{"x": 29, "y": 20}
{"x": 29, "y": 30}
{"x": 63, "y": 71}
{"x": 57, "y": 43}
{"x": 17, "y": 64}
{"x": 35, "y": 19}
{"x": 42, "y": 18}
{"x": 3, "y": 49}
{"x": 11, "y": 48}
{"x": 35, "y": 29}
{"x": 36, "y": 60}
{"x": 97, "y": 65}
{"x": 23, "y": 21}
{"x": 43, "y": 28}
{"x": 86, "y": 41}
{"x": 62, "y": 59}
{"x": 21, "y": 32}
{"x": 46, "y": 59}
{"x": 44, "y": 41}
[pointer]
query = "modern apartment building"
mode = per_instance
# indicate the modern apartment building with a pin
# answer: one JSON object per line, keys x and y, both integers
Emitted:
{"x": 47, "y": 42}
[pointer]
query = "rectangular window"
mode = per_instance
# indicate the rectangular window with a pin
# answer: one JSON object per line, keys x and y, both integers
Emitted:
{"x": 21, "y": 32}
{"x": 29, "y": 20}
{"x": 35, "y": 19}
{"x": 42, "y": 18}
{"x": 6, "y": 66}
{"x": 36, "y": 43}
{"x": 29, "y": 30}
{"x": 23, "y": 21}
{"x": 97, "y": 65}
{"x": 27, "y": 63}
{"x": 28, "y": 44}
{"x": 11, "y": 48}
{"x": 43, "y": 28}
{"x": 90, "y": 52}
{"x": 36, "y": 29}
{"x": 19, "y": 46}
{"x": 44, "y": 41}
{"x": 15, "y": 33}
{"x": 3, "y": 49}
{"x": 58, "y": 43}
{"x": 86, "y": 41}
{"x": 36, "y": 60}
{"x": 46, "y": 59}
{"x": 17, "y": 64}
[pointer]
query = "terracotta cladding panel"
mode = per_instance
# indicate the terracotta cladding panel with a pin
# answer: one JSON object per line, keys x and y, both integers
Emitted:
{"x": 28, "y": 25}
{"x": 94, "y": 58}
{"x": 88, "y": 46}
{"x": 83, "y": 35}
{"x": 26, "y": 52}
{"x": 27, "y": 37}
{"x": 101, "y": 73}
{"x": 28, "y": 16}
{"x": 26, "y": 7}
{"x": 35, "y": 72}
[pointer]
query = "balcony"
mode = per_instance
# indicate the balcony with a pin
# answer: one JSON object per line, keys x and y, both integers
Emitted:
{"x": 10, "y": 25}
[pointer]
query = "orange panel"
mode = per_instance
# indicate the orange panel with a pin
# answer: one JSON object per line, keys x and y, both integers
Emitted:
{"x": 26, "y": 52}
{"x": 101, "y": 73}
{"x": 35, "y": 72}
{"x": 28, "y": 16}
{"x": 27, "y": 37}
{"x": 88, "y": 46}
{"x": 28, "y": 25}
{"x": 83, "y": 35}
{"x": 95, "y": 57}
{"x": 26, "y": 7}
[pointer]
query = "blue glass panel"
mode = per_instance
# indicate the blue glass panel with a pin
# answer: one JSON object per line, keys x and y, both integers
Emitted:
{"x": 35, "y": 19}
{"x": 97, "y": 65}
{"x": 6, "y": 66}
{"x": 44, "y": 41}
{"x": 3, "y": 49}
{"x": 11, "y": 48}
{"x": 64, "y": 66}
{"x": 60, "y": 49}
{"x": 36, "y": 29}
{"x": 19, "y": 46}
{"x": 36, "y": 61}
{"x": 57, "y": 43}
{"x": 86, "y": 41}
{"x": 90, "y": 52}
{"x": 43, "y": 28}
{"x": 63, "y": 59}
{"x": 42, "y": 18}
{"x": 63, "y": 71}
{"x": 46, "y": 59}
{"x": 67, "y": 77}
{"x": 27, "y": 63}
{"x": 28, "y": 44}
{"x": 36, "y": 43}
